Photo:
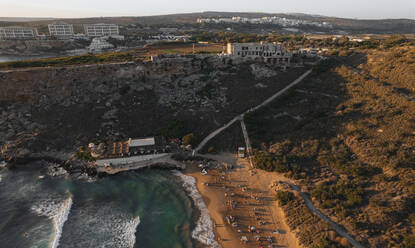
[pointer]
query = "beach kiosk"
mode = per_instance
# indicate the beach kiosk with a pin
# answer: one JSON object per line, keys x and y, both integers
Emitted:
{"x": 241, "y": 152}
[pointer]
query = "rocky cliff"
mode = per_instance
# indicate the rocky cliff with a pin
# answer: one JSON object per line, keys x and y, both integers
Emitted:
{"x": 171, "y": 95}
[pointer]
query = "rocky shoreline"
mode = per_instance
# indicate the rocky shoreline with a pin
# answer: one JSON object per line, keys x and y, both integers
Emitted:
{"x": 76, "y": 167}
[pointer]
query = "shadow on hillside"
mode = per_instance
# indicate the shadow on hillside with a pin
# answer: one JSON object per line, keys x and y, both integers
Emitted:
{"x": 307, "y": 118}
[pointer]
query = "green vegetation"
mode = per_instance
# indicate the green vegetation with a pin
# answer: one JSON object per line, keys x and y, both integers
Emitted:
{"x": 189, "y": 139}
{"x": 283, "y": 197}
{"x": 353, "y": 143}
{"x": 207, "y": 90}
{"x": 310, "y": 229}
{"x": 224, "y": 37}
{"x": 291, "y": 41}
{"x": 279, "y": 163}
{"x": 408, "y": 242}
{"x": 174, "y": 129}
{"x": 211, "y": 149}
{"x": 271, "y": 162}
{"x": 84, "y": 154}
{"x": 324, "y": 66}
{"x": 326, "y": 243}
{"x": 73, "y": 60}
{"x": 160, "y": 44}
{"x": 343, "y": 194}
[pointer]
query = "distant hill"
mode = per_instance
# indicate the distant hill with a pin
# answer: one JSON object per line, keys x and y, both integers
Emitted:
{"x": 387, "y": 26}
{"x": 25, "y": 19}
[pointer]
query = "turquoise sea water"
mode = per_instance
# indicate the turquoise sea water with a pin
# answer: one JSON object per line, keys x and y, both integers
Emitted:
{"x": 132, "y": 209}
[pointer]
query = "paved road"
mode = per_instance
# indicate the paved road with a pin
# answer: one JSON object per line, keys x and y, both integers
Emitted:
{"x": 240, "y": 117}
{"x": 322, "y": 216}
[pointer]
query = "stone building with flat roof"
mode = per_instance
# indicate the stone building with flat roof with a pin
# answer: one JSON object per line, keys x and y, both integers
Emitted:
{"x": 268, "y": 52}
{"x": 16, "y": 33}
{"x": 101, "y": 29}
{"x": 61, "y": 30}
{"x": 146, "y": 145}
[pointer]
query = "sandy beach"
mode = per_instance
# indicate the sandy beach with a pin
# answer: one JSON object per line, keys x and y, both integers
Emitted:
{"x": 245, "y": 195}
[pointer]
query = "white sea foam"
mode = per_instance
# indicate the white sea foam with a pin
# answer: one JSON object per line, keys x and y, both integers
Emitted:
{"x": 114, "y": 227}
{"x": 3, "y": 164}
{"x": 130, "y": 230}
{"x": 54, "y": 170}
{"x": 203, "y": 231}
{"x": 58, "y": 211}
{"x": 119, "y": 227}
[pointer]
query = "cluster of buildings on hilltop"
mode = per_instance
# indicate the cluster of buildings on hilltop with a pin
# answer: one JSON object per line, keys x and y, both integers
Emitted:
{"x": 285, "y": 22}
{"x": 184, "y": 38}
{"x": 59, "y": 30}
{"x": 268, "y": 52}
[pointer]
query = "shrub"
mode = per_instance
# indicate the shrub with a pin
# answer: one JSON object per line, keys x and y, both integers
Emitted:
{"x": 84, "y": 154}
{"x": 329, "y": 193}
{"x": 408, "y": 242}
{"x": 71, "y": 60}
{"x": 270, "y": 162}
{"x": 175, "y": 129}
{"x": 189, "y": 139}
{"x": 326, "y": 243}
{"x": 283, "y": 197}
{"x": 211, "y": 149}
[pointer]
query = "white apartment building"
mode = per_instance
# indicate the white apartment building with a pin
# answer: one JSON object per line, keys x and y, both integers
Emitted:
{"x": 7, "y": 33}
{"x": 100, "y": 43}
{"x": 269, "y": 52}
{"x": 101, "y": 29}
{"x": 61, "y": 29}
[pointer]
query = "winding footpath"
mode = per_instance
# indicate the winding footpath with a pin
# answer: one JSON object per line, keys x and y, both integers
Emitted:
{"x": 309, "y": 203}
{"x": 241, "y": 116}
{"x": 314, "y": 209}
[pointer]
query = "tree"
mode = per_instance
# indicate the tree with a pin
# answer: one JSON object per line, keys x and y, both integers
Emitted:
{"x": 284, "y": 197}
{"x": 188, "y": 139}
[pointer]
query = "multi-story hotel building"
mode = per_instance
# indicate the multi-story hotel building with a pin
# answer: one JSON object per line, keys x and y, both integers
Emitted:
{"x": 101, "y": 29}
{"x": 270, "y": 52}
{"x": 61, "y": 29}
{"x": 7, "y": 33}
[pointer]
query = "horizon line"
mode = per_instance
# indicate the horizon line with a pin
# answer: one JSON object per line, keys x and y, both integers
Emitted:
{"x": 213, "y": 11}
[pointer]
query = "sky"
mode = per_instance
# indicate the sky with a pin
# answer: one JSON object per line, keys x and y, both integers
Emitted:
{"x": 363, "y": 9}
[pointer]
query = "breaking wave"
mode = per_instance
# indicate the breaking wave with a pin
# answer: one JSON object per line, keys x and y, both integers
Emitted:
{"x": 58, "y": 212}
{"x": 110, "y": 226}
{"x": 130, "y": 231}
{"x": 203, "y": 231}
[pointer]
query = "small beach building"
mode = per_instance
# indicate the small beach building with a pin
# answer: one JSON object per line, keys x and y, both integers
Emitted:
{"x": 241, "y": 152}
{"x": 146, "y": 145}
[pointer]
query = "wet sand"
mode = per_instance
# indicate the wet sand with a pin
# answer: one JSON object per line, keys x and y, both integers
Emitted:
{"x": 246, "y": 195}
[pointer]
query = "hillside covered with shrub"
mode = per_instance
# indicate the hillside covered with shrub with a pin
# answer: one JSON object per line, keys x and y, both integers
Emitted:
{"x": 347, "y": 134}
